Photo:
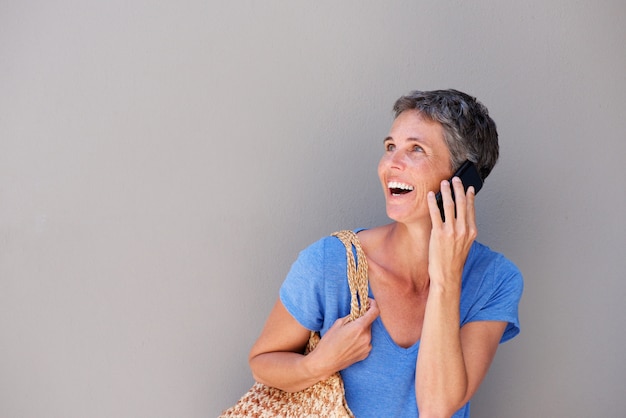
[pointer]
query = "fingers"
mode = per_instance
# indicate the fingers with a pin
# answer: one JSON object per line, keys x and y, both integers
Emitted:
{"x": 465, "y": 209}
{"x": 433, "y": 208}
{"x": 448, "y": 193}
{"x": 457, "y": 203}
{"x": 371, "y": 314}
{"x": 447, "y": 199}
{"x": 460, "y": 198}
{"x": 364, "y": 335}
{"x": 471, "y": 212}
{"x": 347, "y": 342}
{"x": 365, "y": 320}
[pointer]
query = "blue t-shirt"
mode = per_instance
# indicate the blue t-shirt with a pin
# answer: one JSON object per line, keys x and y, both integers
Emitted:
{"x": 316, "y": 293}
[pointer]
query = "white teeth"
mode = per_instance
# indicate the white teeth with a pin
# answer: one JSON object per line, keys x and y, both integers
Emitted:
{"x": 398, "y": 185}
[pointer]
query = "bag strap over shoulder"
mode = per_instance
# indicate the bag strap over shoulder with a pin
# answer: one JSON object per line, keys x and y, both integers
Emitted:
{"x": 356, "y": 272}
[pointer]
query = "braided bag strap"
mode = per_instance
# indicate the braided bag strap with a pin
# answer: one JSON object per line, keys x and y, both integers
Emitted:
{"x": 357, "y": 273}
{"x": 357, "y": 281}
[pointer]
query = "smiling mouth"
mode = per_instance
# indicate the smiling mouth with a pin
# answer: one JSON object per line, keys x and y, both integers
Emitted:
{"x": 396, "y": 188}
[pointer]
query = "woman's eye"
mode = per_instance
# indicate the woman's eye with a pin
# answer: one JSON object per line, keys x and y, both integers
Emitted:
{"x": 417, "y": 148}
{"x": 390, "y": 147}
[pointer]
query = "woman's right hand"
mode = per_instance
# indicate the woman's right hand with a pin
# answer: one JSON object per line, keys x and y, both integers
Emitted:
{"x": 276, "y": 358}
{"x": 345, "y": 343}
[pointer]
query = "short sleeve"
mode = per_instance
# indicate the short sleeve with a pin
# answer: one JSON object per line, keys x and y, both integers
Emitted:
{"x": 492, "y": 289}
{"x": 315, "y": 291}
{"x": 302, "y": 290}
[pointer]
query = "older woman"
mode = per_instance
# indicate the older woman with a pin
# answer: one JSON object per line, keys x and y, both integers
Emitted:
{"x": 440, "y": 302}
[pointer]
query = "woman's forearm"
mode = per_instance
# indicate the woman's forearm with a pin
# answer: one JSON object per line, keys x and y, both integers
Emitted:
{"x": 287, "y": 371}
{"x": 441, "y": 378}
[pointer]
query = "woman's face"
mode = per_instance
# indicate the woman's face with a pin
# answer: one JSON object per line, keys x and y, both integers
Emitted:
{"x": 415, "y": 161}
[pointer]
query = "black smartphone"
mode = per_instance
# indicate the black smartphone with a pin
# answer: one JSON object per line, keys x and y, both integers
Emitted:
{"x": 469, "y": 176}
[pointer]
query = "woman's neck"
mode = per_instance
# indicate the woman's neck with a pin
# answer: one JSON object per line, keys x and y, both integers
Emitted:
{"x": 401, "y": 249}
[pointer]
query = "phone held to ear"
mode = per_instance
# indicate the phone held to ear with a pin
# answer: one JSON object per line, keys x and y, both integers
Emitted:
{"x": 469, "y": 177}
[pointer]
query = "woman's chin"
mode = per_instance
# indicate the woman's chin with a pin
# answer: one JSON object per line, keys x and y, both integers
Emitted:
{"x": 403, "y": 216}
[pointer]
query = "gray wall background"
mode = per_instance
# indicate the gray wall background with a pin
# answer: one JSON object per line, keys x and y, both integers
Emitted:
{"x": 162, "y": 163}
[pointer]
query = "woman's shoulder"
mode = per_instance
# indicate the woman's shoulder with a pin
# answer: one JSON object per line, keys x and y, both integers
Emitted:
{"x": 332, "y": 242}
{"x": 326, "y": 250}
{"x": 482, "y": 252}
{"x": 371, "y": 237}
{"x": 491, "y": 265}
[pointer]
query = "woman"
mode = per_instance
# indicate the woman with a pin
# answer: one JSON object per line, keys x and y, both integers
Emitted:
{"x": 440, "y": 303}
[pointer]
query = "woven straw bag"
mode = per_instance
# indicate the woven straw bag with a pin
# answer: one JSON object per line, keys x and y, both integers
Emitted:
{"x": 325, "y": 398}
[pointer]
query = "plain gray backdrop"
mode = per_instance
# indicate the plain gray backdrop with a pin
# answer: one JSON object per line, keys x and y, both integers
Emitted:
{"x": 162, "y": 163}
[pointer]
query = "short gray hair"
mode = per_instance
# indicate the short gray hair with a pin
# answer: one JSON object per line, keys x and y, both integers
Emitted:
{"x": 469, "y": 131}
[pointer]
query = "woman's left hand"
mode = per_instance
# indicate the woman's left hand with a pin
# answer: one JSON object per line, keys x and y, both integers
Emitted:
{"x": 450, "y": 241}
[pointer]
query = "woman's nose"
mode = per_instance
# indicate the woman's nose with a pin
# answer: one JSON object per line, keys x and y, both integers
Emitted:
{"x": 398, "y": 159}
